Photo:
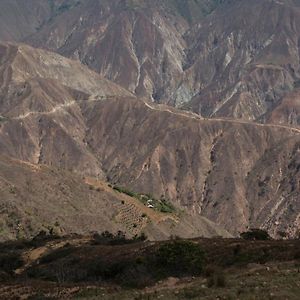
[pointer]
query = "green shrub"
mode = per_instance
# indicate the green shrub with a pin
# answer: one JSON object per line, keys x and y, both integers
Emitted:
{"x": 190, "y": 293}
{"x": 161, "y": 205}
{"x": 237, "y": 249}
{"x": 9, "y": 262}
{"x": 42, "y": 238}
{"x": 140, "y": 238}
{"x": 125, "y": 191}
{"x": 107, "y": 238}
{"x": 3, "y": 119}
{"x": 180, "y": 257}
{"x": 165, "y": 206}
{"x": 255, "y": 234}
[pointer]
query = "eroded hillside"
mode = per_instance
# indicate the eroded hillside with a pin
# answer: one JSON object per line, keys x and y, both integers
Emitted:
{"x": 36, "y": 198}
{"x": 236, "y": 59}
{"x": 226, "y": 58}
{"x": 67, "y": 116}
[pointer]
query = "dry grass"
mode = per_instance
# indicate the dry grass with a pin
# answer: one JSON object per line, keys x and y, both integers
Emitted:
{"x": 233, "y": 269}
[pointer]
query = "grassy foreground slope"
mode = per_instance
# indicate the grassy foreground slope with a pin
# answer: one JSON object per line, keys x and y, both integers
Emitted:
{"x": 102, "y": 267}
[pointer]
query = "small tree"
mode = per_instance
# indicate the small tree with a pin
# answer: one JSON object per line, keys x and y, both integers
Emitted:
{"x": 255, "y": 234}
{"x": 181, "y": 257}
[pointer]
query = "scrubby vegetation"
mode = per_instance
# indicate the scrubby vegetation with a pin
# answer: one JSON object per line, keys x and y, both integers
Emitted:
{"x": 180, "y": 257}
{"x": 10, "y": 261}
{"x": 11, "y": 251}
{"x": 107, "y": 238}
{"x": 125, "y": 191}
{"x": 217, "y": 280}
{"x": 161, "y": 205}
{"x": 3, "y": 119}
{"x": 112, "y": 259}
{"x": 256, "y": 234}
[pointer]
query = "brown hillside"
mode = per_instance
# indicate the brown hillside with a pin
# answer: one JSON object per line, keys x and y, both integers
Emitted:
{"x": 36, "y": 197}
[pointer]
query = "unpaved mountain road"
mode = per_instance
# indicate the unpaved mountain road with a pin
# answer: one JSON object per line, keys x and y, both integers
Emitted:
{"x": 196, "y": 117}
{"x": 159, "y": 108}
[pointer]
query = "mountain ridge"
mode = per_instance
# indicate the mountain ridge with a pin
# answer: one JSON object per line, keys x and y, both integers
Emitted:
{"x": 215, "y": 66}
{"x": 119, "y": 124}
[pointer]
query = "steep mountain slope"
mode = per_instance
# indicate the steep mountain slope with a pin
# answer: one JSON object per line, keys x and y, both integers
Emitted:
{"x": 56, "y": 112}
{"x": 136, "y": 44}
{"x": 287, "y": 111}
{"x": 216, "y": 168}
{"x": 238, "y": 59}
{"x": 20, "y": 19}
{"x": 36, "y": 197}
{"x": 227, "y": 58}
{"x": 41, "y": 94}
{"x": 251, "y": 61}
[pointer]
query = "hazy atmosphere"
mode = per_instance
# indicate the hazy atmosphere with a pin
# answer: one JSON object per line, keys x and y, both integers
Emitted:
{"x": 149, "y": 149}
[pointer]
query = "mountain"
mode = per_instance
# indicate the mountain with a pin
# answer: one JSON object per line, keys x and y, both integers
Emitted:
{"x": 43, "y": 99}
{"x": 216, "y": 168}
{"x": 19, "y": 19}
{"x": 175, "y": 121}
{"x": 250, "y": 60}
{"x": 56, "y": 112}
{"x": 36, "y": 197}
{"x": 100, "y": 101}
{"x": 137, "y": 44}
{"x": 230, "y": 58}
{"x": 41, "y": 94}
